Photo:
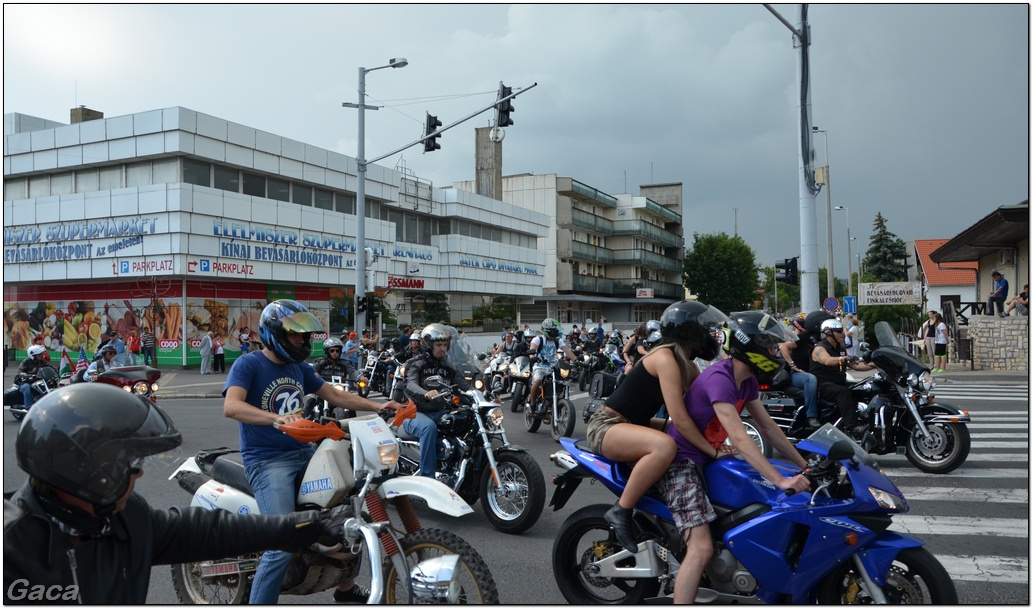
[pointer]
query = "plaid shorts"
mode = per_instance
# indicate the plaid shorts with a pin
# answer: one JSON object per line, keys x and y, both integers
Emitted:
{"x": 682, "y": 490}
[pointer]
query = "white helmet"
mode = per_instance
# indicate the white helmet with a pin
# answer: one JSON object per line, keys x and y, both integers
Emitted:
{"x": 415, "y": 336}
{"x": 831, "y": 325}
{"x": 35, "y": 350}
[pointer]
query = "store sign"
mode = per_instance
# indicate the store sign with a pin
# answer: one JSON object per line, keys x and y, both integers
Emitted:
{"x": 168, "y": 345}
{"x": 897, "y": 293}
{"x": 404, "y": 283}
{"x": 643, "y": 292}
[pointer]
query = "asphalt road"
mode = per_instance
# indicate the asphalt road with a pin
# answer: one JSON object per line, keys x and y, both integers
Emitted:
{"x": 975, "y": 520}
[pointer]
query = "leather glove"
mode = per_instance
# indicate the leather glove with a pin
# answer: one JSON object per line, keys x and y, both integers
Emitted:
{"x": 322, "y": 526}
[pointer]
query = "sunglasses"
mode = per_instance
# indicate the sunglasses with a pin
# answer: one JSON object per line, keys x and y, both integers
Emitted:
{"x": 334, "y": 350}
{"x": 838, "y": 330}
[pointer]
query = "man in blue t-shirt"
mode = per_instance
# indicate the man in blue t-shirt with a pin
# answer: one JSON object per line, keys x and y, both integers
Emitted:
{"x": 998, "y": 295}
{"x": 265, "y": 388}
{"x": 714, "y": 401}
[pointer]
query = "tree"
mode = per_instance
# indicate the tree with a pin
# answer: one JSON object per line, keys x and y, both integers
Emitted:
{"x": 721, "y": 271}
{"x": 886, "y": 259}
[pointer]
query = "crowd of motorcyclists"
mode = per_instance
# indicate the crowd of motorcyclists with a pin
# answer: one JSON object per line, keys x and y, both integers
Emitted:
{"x": 658, "y": 373}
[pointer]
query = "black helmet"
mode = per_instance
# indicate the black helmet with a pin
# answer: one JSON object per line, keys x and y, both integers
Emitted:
{"x": 385, "y": 344}
{"x": 282, "y": 316}
{"x": 434, "y": 333}
{"x": 690, "y": 322}
{"x": 551, "y": 328}
{"x": 85, "y": 438}
{"x": 755, "y": 340}
{"x": 652, "y": 325}
{"x": 812, "y": 323}
{"x": 107, "y": 349}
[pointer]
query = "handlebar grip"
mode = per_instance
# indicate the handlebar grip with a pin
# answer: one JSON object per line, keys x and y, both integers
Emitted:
{"x": 790, "y": 492}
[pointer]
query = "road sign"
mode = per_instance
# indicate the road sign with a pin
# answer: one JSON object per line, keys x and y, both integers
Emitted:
{"x": 830, "y": 304}
{"x": 850, "y": 304}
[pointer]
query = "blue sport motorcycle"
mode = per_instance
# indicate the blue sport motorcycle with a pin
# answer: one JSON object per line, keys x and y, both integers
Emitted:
{"x": 829, "y": 546}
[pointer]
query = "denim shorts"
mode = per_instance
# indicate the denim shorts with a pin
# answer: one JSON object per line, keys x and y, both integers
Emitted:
{"x": 682, "y": 490}
{"x": 603, "y": 419}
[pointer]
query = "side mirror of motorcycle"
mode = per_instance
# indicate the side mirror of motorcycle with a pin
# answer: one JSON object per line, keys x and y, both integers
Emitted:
{"x": 433, "y": 382}
{"x": 482, "y": 356}
{"x": 864, "y": 350}
{"x": 842, "y": 449}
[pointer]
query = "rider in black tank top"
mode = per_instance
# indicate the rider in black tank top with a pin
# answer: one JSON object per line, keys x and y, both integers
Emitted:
{"x": 638, "y": 397}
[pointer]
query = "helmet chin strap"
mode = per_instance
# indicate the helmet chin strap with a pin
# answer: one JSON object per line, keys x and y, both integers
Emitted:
{"x": 75, "y": 521}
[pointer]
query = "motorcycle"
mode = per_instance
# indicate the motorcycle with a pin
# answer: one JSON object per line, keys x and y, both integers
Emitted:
{"x": 552, "y": 405}
{"x": 376, "y": 371}
{"x": 355, "y": 464}
{"x": 479, "y": 461}
{"x": 897, "y": 409}
{"x": 829, "y": 546}
{"x": 313, "y": 408}
{"x": 141, "y": 380}
{"x": 519, "y": 381}
{"x": 42, "y": 383}
{"x": 590, "y": 364}
{"x": 497, "y": 373}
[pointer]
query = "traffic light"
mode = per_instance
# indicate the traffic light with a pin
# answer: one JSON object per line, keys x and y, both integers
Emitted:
{"x": 782, "y": 266}
{"x": 793, "y": 271}
{"x": 431, "y": 144}
{"x": 504, "y": 109}
{"x": 373, "y": 305}
{"x": 360, "y": 304}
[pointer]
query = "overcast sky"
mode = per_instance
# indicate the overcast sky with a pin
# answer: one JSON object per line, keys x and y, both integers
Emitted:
{"x": 926, "y": 106}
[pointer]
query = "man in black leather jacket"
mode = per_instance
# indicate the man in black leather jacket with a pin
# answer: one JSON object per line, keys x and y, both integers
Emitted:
{"x": 76, "y": 532}
{"x": 436, "y": 340}
{"x": 332, "y": 364}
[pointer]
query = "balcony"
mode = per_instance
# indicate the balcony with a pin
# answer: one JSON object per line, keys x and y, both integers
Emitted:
{"x": 647, "y": 259}
{"x": 567, "y": 281}
{"x": 569, "y": 216}
{"x": 645, "y": 230}
{"x": 663, "y": 212}
{"x": 569, "y": 187}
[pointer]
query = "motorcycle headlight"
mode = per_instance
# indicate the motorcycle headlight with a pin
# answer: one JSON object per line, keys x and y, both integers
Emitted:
{"x": 400, "y": 371}
{"x": 888, "y": 500}
{"x": 154, "y": 388}
{"x": 921, "y": 383}
{"x": 564, "y": 373}
{"x": 139, "y": 388}
{"x": 478, "y": 384}
{"x": 585, "y": 357}
{"x": 495, "y": 417}
{"x": 388, "y": 453}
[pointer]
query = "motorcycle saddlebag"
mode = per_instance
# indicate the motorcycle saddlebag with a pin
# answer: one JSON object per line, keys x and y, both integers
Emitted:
{"x": 13, "y": 397}
{"x": 602, "y": 385}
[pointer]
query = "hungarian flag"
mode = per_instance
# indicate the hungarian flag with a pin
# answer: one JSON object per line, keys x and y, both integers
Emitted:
{"x": 81, "y": 364}
{"x": 65, "y": 362}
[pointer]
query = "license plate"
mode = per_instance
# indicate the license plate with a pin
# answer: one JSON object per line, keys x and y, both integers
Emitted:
{"x": 228, "y": 568}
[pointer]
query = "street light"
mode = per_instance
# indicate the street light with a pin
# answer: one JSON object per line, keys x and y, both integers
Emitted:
{"x": 849, "y": 272}
{"x": 360, "y": 188}
{"x": 830, "y": 276}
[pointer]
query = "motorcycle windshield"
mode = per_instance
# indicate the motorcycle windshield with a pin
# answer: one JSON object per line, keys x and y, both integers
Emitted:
{"x": 827, "y": 435}
{"x": 891, "y": 356}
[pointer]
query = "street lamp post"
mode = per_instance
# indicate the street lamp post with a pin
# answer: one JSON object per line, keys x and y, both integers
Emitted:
{"x": 830, "y": 276}
{"x": 849, "y": 271}
{"x": 360, "y": 189}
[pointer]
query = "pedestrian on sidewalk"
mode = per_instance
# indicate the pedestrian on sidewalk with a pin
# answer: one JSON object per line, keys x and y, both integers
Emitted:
{"x": 220, "y": 354}
{"x": 941, "y": 344}
{"x": 133, "y": 344}
{"x": 206, "y": 353}
{"x": 147, "y": 348}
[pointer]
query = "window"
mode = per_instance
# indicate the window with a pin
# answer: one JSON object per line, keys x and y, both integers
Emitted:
{"x": 254, "y": 184}
{"x": 345, "y": 203}
{"x": 164, "y": 172}
{"x": 87, "y": 180}
{"x": 61, "y": 183}
{"x": 197, "y": 172}
{"x": 324, "y": 199}
{"x": 39, "y": 186}
{"x": 110, "y": 177}
{"x": 279, "y": 189}
{"x": 138, "y": 174}
{"x": 302, "y": 195}
{"x": 227, "y": 179}
{"x": 396, "y": 217}
{"x": 426, "y": 229}
{"x": 16, "y": 189}
{"x": 410, "y": 228}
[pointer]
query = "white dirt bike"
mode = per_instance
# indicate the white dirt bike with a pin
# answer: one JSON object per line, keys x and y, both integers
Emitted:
{"x": 414, "y": 565}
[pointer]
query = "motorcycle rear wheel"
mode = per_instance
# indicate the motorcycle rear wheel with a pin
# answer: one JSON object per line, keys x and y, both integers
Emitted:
{"x": 945, "y": 452}
{"x": 585, "y": 537}
{"x": 516, "y": 502}
{"x": 193, "y": 589}
{"x": 476, "y": 586}
{"x": 18, "y": 414}
{"x": 566, "y": 419}
{"x": 915, "y": 577}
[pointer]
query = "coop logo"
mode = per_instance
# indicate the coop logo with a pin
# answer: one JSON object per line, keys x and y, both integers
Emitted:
{"x": 168, "y": 344}
{"x": 319, "y": 336}
{"x": 195, "y": 343}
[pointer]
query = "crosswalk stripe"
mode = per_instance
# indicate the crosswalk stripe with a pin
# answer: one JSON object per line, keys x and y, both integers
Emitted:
{"x": 997, "y": 436}
{"x": 1015, "y": 413}
{"x": 983, "y": 444}
{"x": 976, "y": 419}
{"x": 968, "y": 495}
{"x": 961, "y": 525}
{"x": 993, "y": 569}
{"x": 963, "y": 472}
{"x": 889, "y": 460}
{"x": 983, "y": 398}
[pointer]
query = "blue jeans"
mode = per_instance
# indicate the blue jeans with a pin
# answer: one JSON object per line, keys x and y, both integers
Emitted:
{"x": 425, "y": 427}
{"x": 26, "y": 394}
{"x": 273, "y": 482}
{"x": 809, "y": 384}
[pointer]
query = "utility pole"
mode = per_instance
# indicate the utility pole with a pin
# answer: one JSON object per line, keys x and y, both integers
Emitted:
{"x": 808, "y": 190}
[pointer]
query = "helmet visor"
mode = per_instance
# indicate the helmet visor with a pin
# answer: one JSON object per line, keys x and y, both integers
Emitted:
{"x": 301, "y": 322}
{"x": 772, "y": 332}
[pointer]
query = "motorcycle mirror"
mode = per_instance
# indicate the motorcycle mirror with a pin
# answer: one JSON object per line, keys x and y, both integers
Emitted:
{"x": 433, "y": 382}
{"x": 842, "y": 449}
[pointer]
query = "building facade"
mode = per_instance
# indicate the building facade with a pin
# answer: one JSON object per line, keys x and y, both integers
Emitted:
{"x": 182, "y": 222}
{"x": 616, "y": 256}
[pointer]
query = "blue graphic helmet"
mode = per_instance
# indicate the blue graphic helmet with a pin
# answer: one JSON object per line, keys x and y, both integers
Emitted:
{"x": 283, "y": 317}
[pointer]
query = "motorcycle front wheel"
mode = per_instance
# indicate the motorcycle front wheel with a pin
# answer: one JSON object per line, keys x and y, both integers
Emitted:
{"x": 531, "y": 421}
{"x": 945, "y": 450}
{"x": 914, "y": 578}
{"x": 583, "y": 380}
{"x": 515, "y": 502}
{"x": 475, "y": 585}
{"x": 363, "y": 390}
{"x": 566, "y": 419}
{"x": 519, "y": 389}
{"x": 584, "y": 538}
{"x": 194, "y": 588}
